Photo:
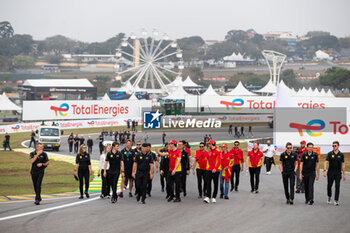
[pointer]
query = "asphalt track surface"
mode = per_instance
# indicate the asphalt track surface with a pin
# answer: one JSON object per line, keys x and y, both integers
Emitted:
{"x": 243, "y": 212}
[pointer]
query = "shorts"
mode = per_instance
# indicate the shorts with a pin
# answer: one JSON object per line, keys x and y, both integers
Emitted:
{"x": 128, "y": 174}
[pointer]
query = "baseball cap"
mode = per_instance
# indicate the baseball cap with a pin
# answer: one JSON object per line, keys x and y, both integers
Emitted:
{"x": 223, "y": 145}
{"x": 303, "y": 142}
{"x": 173, "y": 141}
{"x": 212, "y": 141}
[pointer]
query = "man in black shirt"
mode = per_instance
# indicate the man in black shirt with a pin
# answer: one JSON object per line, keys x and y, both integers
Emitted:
{"x": 185, "y": 165}
{"x": 336, "y": 166}
{"x": 82, "y": 140}
{"x": 128, "y": 155}
{"x": 116, "y": 166}
{"x": 163, "y": 138}
{"x": 70, "y": 142}
{"x": 7, "y": 142}
{"x": 142, "y": 172}
{"x": 133, "y": 138}
{"x": 154, "y": 159}
{"x": 39, "y": 161}
{"x": 288, "y": 166}
{"x": 100, "y": 143}
{"x": 308, "y": 167}
{"x": 89, "y": 143}
{"x": 164, "y": 165}
{"x": 76, "y": 143}
{"x": 32, "y": 139}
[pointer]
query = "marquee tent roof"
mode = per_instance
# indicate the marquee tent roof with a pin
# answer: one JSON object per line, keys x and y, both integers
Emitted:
{"x": 240, "y": 90}
{"x": 7, "y": 105}
{"x": 210, "y": 92}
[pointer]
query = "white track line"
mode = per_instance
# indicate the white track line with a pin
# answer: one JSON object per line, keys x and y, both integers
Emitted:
{"x": 48, "y": 209}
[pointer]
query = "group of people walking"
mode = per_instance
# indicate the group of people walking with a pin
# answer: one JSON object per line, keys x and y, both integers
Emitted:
{"x": 215, "y": 169}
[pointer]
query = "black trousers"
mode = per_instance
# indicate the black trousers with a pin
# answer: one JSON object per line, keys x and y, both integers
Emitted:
{"x": 183, "y": 180}
{"x": 142, "y": 179}
{"x": 76, "y": 148}
{"x": 70, "y": 147}
{"x": 7, "y": 145}
{"x": 300, "y": 183}
{"x": 113, "y": 180}
{"x": 174, "y": 179}
{"x": 236, "y": 170}
{"x": 84, "y": 174}
{"x": 90, "y": 149}
{"x": 106, "y": 187}
{"x": 254, "y": 177}
{"x": 210, "y": 176}
{"x": 162, "y": 178}
{"x": 309, "y": 180}
{"x": 331, "y": 177}
{"x": 149, "y": 186}
{"x": 201, "y": 177}
{"x": 101, "y": 147}
{"x": 37, "y": 180}
{"x": 289, "y": 193}
{"x": 269, "y": 162}
{"x": 31, "y": 141}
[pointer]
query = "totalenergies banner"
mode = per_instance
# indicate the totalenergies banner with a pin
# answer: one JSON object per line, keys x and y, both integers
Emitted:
{"x": 83, "y": 109}
{"x": 27, "y": 127}
{"x": 256, "y": 104}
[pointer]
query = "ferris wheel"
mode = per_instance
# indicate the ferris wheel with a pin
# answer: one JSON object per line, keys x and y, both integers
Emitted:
{"x": 149, "y": 61}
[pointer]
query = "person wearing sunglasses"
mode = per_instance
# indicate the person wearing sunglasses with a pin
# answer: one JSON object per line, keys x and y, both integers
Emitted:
{"x": 83, "y": 165}
{"x": 213, "y": 171}
{"x": 200, "y": 165}
{"x": 288, "y": 165}
{"x": 336, "y": 166}
{"x": 237, "y": 168}
{"x": 309, "y": 166}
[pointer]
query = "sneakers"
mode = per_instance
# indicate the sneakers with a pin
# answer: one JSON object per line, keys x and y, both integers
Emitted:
{"x": 121, "y": 195}
{"x": 256, "y": 191}
{"x": 298, "y": 191}
{"x": 87, "y": 195}
{"x": 221, "y": 196}
{"x": 162, "y": 190}
{"x": 130, "y": 194}
{"x": 336, "y": 203}
{"x": 231, "y": 189}
{"x": 206, "y": 200}
{"x": 311, "y": 202}
{"x": 102, "y": 196}
{"x": 226, "y": 197}
{"x": 170, "y": 199}
{"x": 291, "y": 202}
{"x": 177, "y": 200}
{"x": 236, "y": 189}
{"x": 252, "y": 191}
{"x": 329, "y": 200}
{"x": 199, "y": 197}
{"x": 37, "y": 202}
{"x": 268, "y": 173}
{"x": 213, "y": 200}
{"x": 137, "y": 198}
{"x": 81, "y": 197}
{"x": 287, "y": 202}
{"x": 113, "y": 200}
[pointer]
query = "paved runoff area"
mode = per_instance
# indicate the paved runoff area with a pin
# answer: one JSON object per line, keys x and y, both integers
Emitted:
{"x": 243, "y": 212}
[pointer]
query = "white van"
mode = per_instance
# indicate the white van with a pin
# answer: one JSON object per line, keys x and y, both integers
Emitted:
{"x": 49, "y": 136}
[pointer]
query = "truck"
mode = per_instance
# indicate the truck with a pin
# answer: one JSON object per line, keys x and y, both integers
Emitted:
{"x": 49, "y": 136}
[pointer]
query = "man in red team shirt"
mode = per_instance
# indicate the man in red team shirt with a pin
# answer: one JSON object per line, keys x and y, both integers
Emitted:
{"x": 300, "y": 182}
{"x": 255, "y": 159}
{"x": 200, "y": 165}
{"x": 174, "y": 175}
{"x": 213, "y": 171}
{"x": 226, "y": 161}
{"x": 238, "y": 162}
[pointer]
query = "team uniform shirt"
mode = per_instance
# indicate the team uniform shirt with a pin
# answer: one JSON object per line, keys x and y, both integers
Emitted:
{"x": 335, "y": 161}
{"x": 288, "y": 161}
{"x": 144, "y": 162}
{"x": 42, "y": 158}
{"x": 188, "y": 150}
{"x": 226, "y": 159}
{"x": 237, "y": 156}
{"x": 214, "y": 159}
{"x": 83, "y": 160}
{"x": 255, "y": 158}
{"x": 173, "y": 156}
{"x": 270, "y": 149}
{"x": 114, "y": 160}
{"x": 299, "y": 152}
{"x": 202, "y": 159}
{"x": 185, "y": 160}
{"x": 309, "y": 163}
{"x": 102, "y": 162}
{"x": 164, "y": 162}
{"x": 128, "y": 159}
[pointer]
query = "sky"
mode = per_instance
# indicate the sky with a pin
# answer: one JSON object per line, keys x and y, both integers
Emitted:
{"x": 98, "y": 20}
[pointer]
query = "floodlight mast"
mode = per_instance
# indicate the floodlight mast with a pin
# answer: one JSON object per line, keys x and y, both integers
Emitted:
{"x": 275, "y": 62}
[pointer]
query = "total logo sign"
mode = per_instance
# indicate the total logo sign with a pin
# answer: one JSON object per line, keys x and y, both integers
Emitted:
{"x": 61, "y": 109}
{"x": 91, "y": 123}
{"x": 235, "y": 104}
{"x": 318, "y": 125}
{"x": 15, "y": 128}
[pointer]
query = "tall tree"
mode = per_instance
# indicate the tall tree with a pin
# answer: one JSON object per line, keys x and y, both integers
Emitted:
{"x": 6, "y": 29}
